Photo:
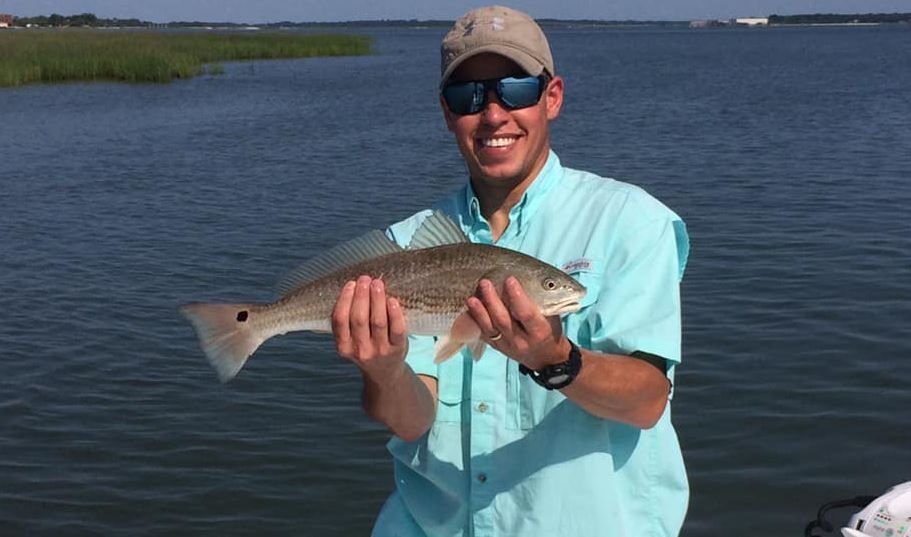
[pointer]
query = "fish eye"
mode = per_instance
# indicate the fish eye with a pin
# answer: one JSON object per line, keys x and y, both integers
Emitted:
{"x": 550, "y": 284}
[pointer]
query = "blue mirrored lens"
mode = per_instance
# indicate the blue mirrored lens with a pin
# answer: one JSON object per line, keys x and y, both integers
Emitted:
{"x": 519, "y": 92}
{"x": 465, "y": 98}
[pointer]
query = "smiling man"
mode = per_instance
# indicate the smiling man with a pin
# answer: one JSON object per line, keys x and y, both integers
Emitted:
{"x": 563, "y": 425}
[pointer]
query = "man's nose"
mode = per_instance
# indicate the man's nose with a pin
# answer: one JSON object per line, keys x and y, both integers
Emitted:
{"x": 494, "y": 111}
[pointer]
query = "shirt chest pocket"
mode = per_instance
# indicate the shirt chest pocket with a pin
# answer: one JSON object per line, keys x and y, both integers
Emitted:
{"x": 450, "y": 375}
{"x": 527, "y": 403}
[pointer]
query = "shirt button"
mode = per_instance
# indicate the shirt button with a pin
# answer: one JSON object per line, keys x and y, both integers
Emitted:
{"x": 482, "y": 478}
{"x": 482, "y": 407}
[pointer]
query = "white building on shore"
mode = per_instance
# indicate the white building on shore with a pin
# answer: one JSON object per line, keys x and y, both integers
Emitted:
{"x": 752, "y": 21}
{"x": 717, "y": 23}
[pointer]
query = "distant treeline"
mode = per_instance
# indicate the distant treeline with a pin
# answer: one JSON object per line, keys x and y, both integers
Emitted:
{"x": 82, "y": 19}
{"x": 835, "y": 18}
{"x": 91, "y": 20}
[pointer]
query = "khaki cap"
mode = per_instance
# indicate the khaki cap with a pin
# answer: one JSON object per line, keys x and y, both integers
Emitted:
{"x": 500, "y": 30}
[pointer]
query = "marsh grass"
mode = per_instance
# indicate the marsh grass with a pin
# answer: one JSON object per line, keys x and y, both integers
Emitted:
{"x": 29, "y": 57}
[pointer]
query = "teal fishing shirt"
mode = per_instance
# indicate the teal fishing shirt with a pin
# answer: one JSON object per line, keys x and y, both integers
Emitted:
{"x": 505, "y": 457}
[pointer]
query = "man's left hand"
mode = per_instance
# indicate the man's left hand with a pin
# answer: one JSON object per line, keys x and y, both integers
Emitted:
{"x": 515, "y": 326}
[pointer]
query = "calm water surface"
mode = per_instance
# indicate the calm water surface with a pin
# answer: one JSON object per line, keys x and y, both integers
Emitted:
{"x": 787, "y": 151}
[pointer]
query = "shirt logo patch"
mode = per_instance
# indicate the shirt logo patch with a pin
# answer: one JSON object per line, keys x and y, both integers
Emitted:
{"x": 577, "y": 265}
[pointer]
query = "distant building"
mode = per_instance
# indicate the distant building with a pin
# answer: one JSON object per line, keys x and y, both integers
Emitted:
{"x": 5, "y": 20}
{"x": 752, "y": 21}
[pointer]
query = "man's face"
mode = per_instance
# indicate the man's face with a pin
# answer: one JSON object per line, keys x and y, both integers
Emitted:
{"x": 503, "y": 148}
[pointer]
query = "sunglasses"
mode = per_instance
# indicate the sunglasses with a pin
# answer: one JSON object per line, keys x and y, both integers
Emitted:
{"x": 465, "y": 98}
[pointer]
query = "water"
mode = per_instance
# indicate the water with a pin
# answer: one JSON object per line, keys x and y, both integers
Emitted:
{"x": 786, "y": 150}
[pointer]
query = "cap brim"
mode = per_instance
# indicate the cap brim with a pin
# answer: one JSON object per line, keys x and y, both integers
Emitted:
{"x": 524, "y": 60}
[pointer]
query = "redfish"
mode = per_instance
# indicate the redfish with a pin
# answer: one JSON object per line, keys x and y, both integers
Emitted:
{"x": 431, "y": 279}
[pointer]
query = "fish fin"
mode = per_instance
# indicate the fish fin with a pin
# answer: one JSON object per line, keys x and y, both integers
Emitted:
{"x": 225, "y": 335}
{"x": 477, "y": 349}
{"x": 464, "y": 330}
{"x": 446, "y": 348}
{"x": 436, "y": 230}
{"x": 369, "y": 246}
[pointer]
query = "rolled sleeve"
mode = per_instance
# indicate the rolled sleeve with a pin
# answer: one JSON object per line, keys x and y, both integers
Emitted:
{"x": 638, "y": 308}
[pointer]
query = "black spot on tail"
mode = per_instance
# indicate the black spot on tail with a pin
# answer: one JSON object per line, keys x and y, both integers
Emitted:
{"x": 242, "y": 316}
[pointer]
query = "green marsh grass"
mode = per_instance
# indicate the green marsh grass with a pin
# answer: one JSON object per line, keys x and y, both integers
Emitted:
{"x": 31, "y": 57}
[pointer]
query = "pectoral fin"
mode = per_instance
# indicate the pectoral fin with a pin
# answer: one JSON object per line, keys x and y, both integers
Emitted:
{"x": 477, "y": 349}
{"x": 464, "y": 331}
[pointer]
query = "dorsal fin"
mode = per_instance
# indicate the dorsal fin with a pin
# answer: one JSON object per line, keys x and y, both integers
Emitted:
{"x": 368, "y": 246}
{"x": 437, "y": 230}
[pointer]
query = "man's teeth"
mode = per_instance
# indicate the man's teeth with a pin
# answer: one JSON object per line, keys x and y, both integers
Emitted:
{"x": 498, "y": 142}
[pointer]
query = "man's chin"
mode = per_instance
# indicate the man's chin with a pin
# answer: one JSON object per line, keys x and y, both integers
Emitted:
{"x": 498, "y": 170}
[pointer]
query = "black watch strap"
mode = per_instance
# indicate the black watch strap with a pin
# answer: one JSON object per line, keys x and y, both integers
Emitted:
{"x": 557, "y": 376}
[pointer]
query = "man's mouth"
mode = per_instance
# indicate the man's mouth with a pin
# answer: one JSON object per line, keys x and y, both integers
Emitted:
{"x": 499, "y": 141}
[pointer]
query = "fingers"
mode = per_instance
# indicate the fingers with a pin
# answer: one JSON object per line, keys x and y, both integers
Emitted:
{"x": 479, "y": 313}
{"x": 359, "y": 318}
{"x": 490, "y": 313}
{"x": 523, "y": 310}
{"x": 396, "y": 317}
{"x": 367, "y": 324}
{"x": 512, "y": 324}
{"x": 340, "y": 320}
{"x": 379, "y": 323}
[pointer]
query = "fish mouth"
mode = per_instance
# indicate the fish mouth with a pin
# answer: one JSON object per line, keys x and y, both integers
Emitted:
{"x": 568, "y": 306}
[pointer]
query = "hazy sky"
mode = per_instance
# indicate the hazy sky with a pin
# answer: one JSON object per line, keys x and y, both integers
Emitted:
{"x": 341, "y": 10}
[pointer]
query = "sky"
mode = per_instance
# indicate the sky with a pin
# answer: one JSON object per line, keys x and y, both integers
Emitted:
{"x": 260, "y": 11}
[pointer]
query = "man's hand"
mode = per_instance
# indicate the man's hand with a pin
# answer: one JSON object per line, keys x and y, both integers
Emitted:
{"x": 515, "y": 326}
{"x": 369, "y": 330}
{"x": 609, "y": 386}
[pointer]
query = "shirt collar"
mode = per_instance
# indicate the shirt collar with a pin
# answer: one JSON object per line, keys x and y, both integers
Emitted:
{"x": 522, "y": 212}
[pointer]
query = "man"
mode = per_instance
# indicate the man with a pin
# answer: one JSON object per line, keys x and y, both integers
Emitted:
{"x": 563, "y": 426}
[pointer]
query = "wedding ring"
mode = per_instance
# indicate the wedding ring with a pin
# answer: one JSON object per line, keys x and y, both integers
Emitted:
{"x": 496, "y": 336}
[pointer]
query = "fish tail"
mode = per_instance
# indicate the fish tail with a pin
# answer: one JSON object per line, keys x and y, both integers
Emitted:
{"x": 226, "y": 335}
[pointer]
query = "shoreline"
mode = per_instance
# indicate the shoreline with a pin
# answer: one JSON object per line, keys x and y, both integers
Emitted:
{"x": 140, "y": 56}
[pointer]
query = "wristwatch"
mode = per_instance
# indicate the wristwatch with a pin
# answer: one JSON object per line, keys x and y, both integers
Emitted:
{"x": 557, "y": 376}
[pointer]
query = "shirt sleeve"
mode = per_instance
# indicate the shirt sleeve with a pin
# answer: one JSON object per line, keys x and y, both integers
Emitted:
{"x": 638, "y": 305}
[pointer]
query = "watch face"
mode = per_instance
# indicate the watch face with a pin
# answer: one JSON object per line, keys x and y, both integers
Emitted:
{"x": 557, "y": 376}
{"x": 557, "y": 379}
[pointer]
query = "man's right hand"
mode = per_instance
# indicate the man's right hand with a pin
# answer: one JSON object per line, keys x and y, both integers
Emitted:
{"x": 369, "y": 330}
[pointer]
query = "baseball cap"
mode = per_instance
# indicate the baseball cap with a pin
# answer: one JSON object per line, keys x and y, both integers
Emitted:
{"x": 501, "y": 30}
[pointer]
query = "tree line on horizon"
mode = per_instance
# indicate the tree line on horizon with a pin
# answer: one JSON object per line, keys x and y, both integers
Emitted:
{"x": 91, "y": 20}
{"x": 837, "y": 18}
{"x": 57, "y": 20}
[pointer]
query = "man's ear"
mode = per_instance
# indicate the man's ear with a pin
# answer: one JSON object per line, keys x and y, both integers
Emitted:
{"x": 447, "y": 115}
{"x": 553, "y": 94}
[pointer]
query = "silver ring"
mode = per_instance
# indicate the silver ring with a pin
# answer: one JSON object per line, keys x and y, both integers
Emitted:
{"x": 496, "y": 336}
